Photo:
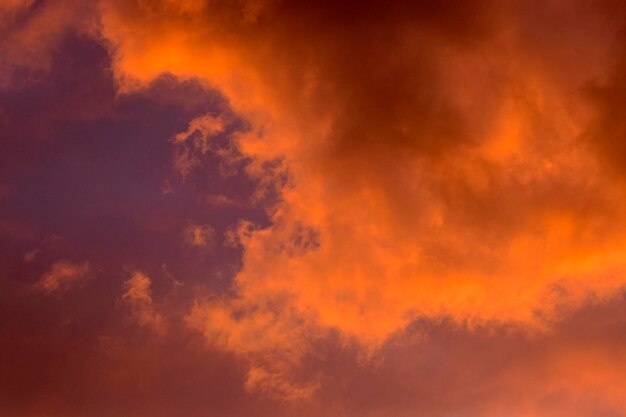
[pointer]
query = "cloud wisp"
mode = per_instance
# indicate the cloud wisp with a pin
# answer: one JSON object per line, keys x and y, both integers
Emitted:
{"x": 63, "y": 276}
{"x": 138, "y": 297}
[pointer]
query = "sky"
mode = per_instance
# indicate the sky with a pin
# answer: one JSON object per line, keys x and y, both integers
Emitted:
{"x": 294, "y": 208}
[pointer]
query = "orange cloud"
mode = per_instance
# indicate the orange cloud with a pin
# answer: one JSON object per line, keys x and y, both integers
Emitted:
{"x": 62, "y": 276}
{"x": 431, "y": 161}
{"x": 200, "y": 236}
{"x": 31, "y": 31}
{"x": 31, "y": 255}
{"x": 195, "y": 142}
{"x": 255, "y": 332}
{"x": 576, "y": 379}
{"x": 138, "y": 296}
{"x": 434, "y": 163}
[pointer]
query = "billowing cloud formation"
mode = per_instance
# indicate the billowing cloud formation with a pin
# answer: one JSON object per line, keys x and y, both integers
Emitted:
{"x": 435, "y": 161}
{"x": 453, "y": 166}
{"x": 62, "y": 276}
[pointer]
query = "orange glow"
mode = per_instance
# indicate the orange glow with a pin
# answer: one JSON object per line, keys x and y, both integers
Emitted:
{"x": 415, "y": 163}
{"x": 487, "y": 209}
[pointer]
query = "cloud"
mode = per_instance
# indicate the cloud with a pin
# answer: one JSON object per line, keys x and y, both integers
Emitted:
{"x": 138, "y": 297}
{"x": 11, "y": 8}
{"x": 232, "y": 326}
{"x": 31, "y": 31}
{"x": 62, "y": 276}
{"x": 194, "y": 142}
{"x": 450, "y": 161}
{"x": 205, "y": 137}
{"x": 433, "y": 161}
{"x": 221, "y": 200}
{"x": 200, "y": 236}
{"x": 31, "y": 255}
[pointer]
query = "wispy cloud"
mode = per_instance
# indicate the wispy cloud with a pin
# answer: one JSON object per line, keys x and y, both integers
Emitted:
{"x": 200, "y": 236}
{"x": 62, "y": 276}
{"x": 138, "y": 296}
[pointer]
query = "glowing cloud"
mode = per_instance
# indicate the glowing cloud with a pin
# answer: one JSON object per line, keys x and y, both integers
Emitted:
{"x": 454, "y": 163}
{"x": 62, "y": 276}
{"x": 139, "y": 297}
{"x": 450, "y": 182}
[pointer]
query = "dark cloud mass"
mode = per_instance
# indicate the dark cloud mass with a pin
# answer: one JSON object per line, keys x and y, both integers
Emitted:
{"x": 312, "y": 208}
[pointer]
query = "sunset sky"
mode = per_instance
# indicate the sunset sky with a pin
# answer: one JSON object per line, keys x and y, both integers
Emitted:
{"x": 294, "y": 208}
